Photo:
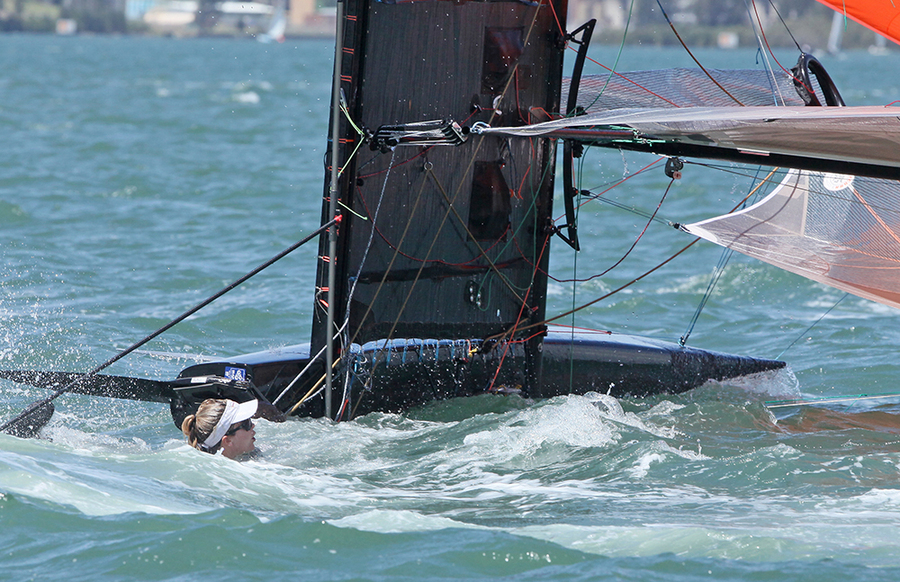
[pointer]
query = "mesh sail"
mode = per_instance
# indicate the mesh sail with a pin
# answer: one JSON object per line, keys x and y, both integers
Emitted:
{"x": 839, "y": 230}
{"x": 681, "y": 87}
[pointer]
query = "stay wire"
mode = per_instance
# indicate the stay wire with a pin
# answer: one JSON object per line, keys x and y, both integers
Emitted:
{"x": 362, "y": 263}
{"x": 714, "y": 280}
{"x": 639, "y": 236}
{"x": 575, "y": 276}
{"x": 691, "y": 54}
{"x": 612, "y": 71}
{"x": 771, "y": 52}
{"x": 707, "y": 295}
{"x": 636, "y": 279}
{"x": 519, "y": 318}
{"x": 68, "y": 387}
{"x": 786, "y": 27}
{"x": 602, "y": 297}
{"x": 816, "y": 322}
{"x": 761, "y": 52}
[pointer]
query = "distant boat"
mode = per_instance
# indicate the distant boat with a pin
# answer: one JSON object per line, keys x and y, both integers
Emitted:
{"x": 66, "y": 26}
{"x": 434, "y": 284}
{"x": 277, "y": 25}
{"x": 836, "y": 35}
{"x": 879, "y": 47}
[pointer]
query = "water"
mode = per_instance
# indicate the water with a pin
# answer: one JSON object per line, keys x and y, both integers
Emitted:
{"x": 141, "y": 175}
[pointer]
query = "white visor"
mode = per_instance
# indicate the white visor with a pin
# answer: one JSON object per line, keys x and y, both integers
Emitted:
{"x": 233, "y": 413}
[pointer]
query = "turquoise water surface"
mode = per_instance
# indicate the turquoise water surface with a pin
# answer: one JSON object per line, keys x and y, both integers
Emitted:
{"x": 141, "y": 175}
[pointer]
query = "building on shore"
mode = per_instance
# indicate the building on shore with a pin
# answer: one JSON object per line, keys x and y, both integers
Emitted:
{"x": 228, "y": 17}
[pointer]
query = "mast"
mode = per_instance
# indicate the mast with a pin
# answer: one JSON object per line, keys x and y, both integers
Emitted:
{"x": 332, "y": 207}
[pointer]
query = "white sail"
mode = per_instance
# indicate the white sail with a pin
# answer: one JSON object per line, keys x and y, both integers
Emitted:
{"x": 839, "y": 230}
{"x": 277, "y": 26}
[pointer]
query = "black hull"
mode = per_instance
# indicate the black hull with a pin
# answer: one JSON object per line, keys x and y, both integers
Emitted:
{"x": 402, "y": 374}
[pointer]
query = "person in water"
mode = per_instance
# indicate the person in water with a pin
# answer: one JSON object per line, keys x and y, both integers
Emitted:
{"x": 222, "y": 425}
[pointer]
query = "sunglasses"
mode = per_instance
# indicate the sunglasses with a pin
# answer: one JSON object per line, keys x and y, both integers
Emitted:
{"x": 243, "y": 425}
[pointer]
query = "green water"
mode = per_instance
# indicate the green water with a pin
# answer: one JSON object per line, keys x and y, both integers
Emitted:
{"x": 140, "y": 175}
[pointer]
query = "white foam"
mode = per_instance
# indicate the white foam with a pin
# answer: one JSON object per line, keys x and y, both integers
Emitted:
{"x": 385, "y": 521}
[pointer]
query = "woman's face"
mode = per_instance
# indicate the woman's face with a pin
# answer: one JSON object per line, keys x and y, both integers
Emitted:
{"x": 239, "y": 442}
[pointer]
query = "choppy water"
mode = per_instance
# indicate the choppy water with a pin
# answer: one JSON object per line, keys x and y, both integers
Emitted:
{"x": 139, "y": 176}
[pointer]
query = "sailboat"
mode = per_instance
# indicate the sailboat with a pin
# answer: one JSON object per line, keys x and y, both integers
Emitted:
{"x": 437, "y": 212}
{"x": 277, "y": 25}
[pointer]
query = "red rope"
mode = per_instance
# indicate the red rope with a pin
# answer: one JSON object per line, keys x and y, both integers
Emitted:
{"x": 624, "y": 78}
{"x": 771, "y": 52}
{"x": 519, "y": 318}
{"x": 562, "y": 32}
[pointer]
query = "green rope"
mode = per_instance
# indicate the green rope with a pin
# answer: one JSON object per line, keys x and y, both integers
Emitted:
{"x": 612, "y": 71}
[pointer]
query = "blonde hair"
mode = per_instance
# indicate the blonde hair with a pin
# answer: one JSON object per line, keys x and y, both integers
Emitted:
{"x": 197, "y": 427}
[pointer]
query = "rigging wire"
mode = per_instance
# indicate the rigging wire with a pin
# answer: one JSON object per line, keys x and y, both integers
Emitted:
{"x": 760, "y": 52}
{"x": 769, "y": 48}
{"x": 633, "y": 210}
{"x": 786, "y": 27}
{"x": 717, "y": 273}
{"x": 716, "y": 276}
{"x": 518, "y": 319}
{"x": 805, "y": 331}
{"x": 71, "y": 385}
{"x": 299, "y": 375}
{"x": 639, "y": 236}
{"x": 602, "y": 297}
{"x": 612, "y": 71}
{"x": 362, "y": 263}
{"x": 691, "y": 54}
{"x": 574, "y": 284}
{"x": 636, "y": 279}
{"x": 615, "y": 184}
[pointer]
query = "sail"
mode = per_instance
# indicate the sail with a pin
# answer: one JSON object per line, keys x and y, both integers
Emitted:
{"x": 277, "y": 25}
{"x": 882, "y": 16}
{"x": 683, "y": 87}
{"x": 442, "y": 242}
{"x": 852, "y": 140}
{"x": 839, "y": 230}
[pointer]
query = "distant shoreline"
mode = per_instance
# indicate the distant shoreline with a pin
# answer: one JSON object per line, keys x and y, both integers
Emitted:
{"x": 811, "y": 36}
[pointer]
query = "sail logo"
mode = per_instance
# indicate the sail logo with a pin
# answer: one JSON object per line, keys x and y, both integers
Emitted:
{"x": 837, "y": 182}
{"x": 233, "y": 373}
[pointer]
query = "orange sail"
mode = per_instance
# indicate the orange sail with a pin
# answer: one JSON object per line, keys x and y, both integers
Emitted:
{"x": 882, "y": 16}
